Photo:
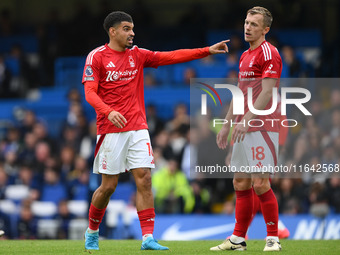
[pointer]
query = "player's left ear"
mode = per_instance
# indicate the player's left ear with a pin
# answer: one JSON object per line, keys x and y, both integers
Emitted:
{"x": 266, "y": 30}
{"x": 112, "y": 31}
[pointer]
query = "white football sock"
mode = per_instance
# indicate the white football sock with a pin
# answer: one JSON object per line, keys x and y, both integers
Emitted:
{"x": 276, "y": 238}
{"x": 90, "y": 231}
{"x": 146, "y": 236}
{"x": 237, "y": 239}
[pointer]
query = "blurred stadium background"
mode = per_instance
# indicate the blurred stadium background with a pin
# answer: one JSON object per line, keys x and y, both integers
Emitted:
{"x": 48, "y": 132}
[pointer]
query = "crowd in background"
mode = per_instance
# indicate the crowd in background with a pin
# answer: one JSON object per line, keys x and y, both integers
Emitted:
{"x": 58, "y": 169}
{"x": 56, "y": 37}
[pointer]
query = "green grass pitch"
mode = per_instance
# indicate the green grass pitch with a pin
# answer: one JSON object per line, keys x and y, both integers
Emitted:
{"x": 122, "y": 247}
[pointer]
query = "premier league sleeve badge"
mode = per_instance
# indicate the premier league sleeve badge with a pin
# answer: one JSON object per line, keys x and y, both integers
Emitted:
{"x": 88, "y": 71}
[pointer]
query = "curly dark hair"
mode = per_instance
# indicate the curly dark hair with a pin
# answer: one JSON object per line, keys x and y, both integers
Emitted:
{"x": 115, "y": 18}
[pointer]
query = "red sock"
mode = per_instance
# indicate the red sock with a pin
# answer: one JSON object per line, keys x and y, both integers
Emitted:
{"x": 95, "y": 217}
{"x": 243, "y": 211}
{"x": 147, "y": 220}
{"x": 270, "y": 211}
{"x": 256, "y": 206}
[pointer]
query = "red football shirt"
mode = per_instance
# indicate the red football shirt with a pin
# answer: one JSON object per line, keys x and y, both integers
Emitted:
{"x": 120, "y": 84}
{"x": 262, "y": 62}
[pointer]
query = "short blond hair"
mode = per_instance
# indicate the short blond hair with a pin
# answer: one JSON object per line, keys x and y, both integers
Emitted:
{"x": 267, "y": 16}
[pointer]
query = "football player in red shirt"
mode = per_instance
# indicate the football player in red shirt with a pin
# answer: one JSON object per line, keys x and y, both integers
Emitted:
{"x": 113, "y": 83}
{"x": 283, "y": 232}
{"x": 256, "y": 145}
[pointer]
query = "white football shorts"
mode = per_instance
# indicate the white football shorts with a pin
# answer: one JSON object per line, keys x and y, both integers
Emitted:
{"x": 119, "y": 152}
{"x": 257, "y": 153}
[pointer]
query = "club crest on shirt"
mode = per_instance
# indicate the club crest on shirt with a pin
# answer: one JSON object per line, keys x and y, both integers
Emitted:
{"x": 252, "y": 61}
{"x": 131, "y": 61}
{"x": 88, "y": 71}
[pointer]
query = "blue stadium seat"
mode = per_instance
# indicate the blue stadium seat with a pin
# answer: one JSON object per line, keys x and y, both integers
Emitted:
{"x": 69, "y": 71}
{"x": 53, "y": 193}
{"x": 178, "y": 72}
{"x": 124, "y": 191}
{"x": 166, "y": 99}
{"x": 28, "y": 43}
{"x": 162, "y": 75}
{"x": 212, "y": 71}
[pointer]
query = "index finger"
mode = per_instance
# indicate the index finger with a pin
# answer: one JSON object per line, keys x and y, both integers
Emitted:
{"x": 122, "y": 117}
{"x": 226, "y": 48}
{"x": 233, "y": 136}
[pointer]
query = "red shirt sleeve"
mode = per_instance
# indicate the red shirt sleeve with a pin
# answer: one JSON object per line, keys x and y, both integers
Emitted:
{"x": 150, "y": 58}
{"x": 94, "y": 100}
{"x": 272, "y": 68}
{"x": 92, "y": 68}
{"x": 180, "y": 56}
{"x": 161, "y": 58}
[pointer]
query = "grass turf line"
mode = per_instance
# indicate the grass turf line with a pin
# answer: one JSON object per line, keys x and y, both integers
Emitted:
{"x": 122, "y": 247}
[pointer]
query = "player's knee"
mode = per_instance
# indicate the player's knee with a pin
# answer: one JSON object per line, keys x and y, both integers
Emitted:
{"x": 241, "y": 183}
{"x": 108, "y": 190}
{"x": 261, "y": 187}
{"x": 145, "y": 181}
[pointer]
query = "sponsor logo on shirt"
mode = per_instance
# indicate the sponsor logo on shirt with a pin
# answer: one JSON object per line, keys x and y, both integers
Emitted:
{"x": 247, "y": 73}
{"x": 88, "y": 71}
{"x": 121, "y": 76}
{"x": 89, "y": 79}
{"x": 270, "y": 70}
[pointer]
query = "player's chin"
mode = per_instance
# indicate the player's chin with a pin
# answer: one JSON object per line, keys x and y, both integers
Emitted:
{"x": 129, "y": 45}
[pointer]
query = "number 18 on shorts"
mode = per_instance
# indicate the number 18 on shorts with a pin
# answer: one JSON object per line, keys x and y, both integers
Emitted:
{"x": 258, "y": 152}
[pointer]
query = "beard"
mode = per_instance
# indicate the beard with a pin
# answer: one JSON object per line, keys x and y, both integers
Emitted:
{"x": 129, "y": 45}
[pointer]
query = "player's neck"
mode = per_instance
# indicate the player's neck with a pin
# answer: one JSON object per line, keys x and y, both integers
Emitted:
{"x": 115, "y": 46}
{"x": 255, "y": 44}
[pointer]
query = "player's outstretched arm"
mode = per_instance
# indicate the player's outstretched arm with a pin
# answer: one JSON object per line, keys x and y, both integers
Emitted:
{"x": 185, "y": 55}
{"x": 219, "y": 48}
